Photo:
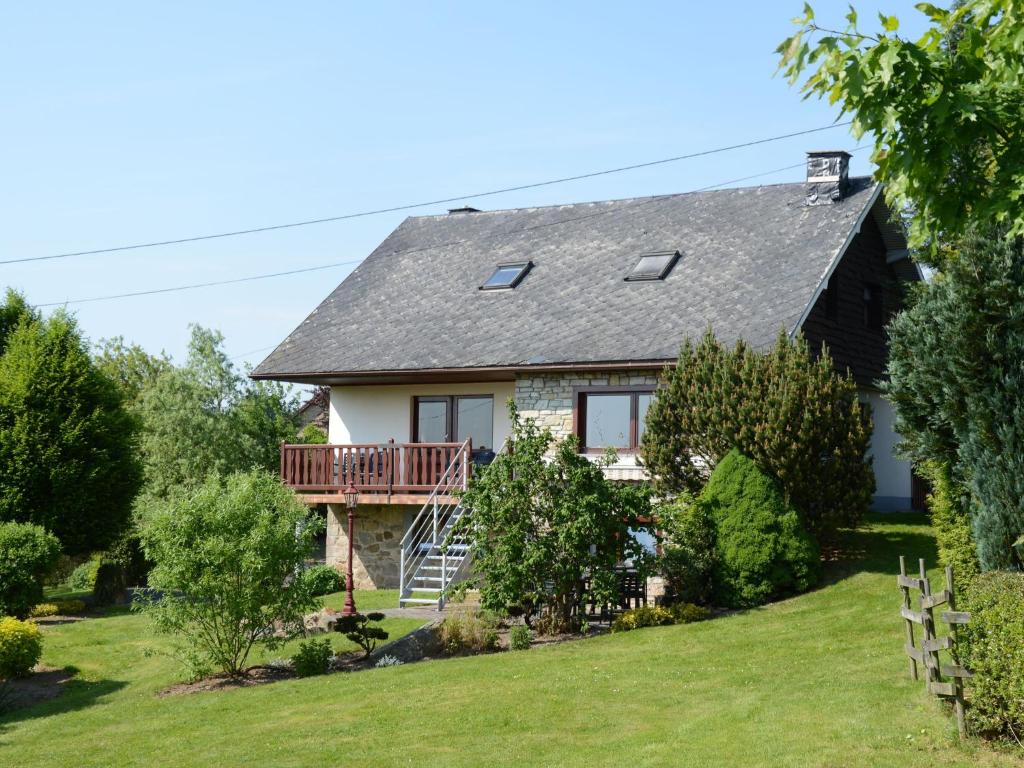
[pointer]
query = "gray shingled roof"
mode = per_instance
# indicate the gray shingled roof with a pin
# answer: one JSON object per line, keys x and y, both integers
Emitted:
{"x": 752, "y": 259}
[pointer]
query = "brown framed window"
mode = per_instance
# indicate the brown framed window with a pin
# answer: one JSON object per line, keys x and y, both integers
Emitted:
{"x": 453, "y": 419}
{"x": 610, "y": 417}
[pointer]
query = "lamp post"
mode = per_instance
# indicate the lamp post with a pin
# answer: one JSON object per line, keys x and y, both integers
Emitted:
{"x": 351, "y": 500}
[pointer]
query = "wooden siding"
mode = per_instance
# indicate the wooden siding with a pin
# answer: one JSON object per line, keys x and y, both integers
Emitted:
{"x": 855, "y": 346}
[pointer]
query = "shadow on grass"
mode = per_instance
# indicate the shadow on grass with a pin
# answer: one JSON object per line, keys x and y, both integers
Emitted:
{"x": 876, "y": 547}
{"x": 74, "y": 694}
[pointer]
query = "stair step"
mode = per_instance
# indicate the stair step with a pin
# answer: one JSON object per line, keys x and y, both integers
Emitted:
{"x": 418, "y": 601}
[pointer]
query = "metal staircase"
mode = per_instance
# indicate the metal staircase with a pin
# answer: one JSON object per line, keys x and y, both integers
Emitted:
{"x": 427, "y": 567}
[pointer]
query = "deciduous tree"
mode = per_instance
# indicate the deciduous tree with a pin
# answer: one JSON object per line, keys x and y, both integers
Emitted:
{"x": 541, "y": 517}
{"x": 946, "y": 110}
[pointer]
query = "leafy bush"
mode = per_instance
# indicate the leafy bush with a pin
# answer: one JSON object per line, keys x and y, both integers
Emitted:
{"x": 469, "y": 631}
{"x": 27, "y": 553}
{"x": 993, "y": 646}
{"x": 788, "y": 410}
{"x": 688, "y": 613}
{"x": 313, "y": 657}
{"x": 69, "y": 607}
{"x": 100, "y": 576}
{"x": 763, "y": 551}
{"x": 947, "y": 507}
{"x": 519, "y": 638}
{"x": 21, "y": 647}
{"x": 57, "y": 608}
{"x": 688, "y": 555}
{"x": 387, "y": 660}
{"x": 84, "y": 576}
{"x": 645, "y": 616}
{"x": 110, "y": 584}
{"x": 544, "y": 517}
{"x": 311, "y": 434}
{"x": 360, "y": 630}
{"x": 225, "y": 556}
{"x": 42, "y": 610}
{"x": 322, "y": 580}
{"x": 126, "y": 553}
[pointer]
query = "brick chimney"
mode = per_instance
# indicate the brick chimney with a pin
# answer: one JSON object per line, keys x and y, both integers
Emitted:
{"x": 827, "y": 176}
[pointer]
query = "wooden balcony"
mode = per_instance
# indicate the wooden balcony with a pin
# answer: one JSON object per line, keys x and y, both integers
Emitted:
{"x": 383, "y": 473}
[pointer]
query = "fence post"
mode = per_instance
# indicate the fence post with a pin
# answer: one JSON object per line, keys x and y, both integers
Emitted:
{"x": 931, "y": 653}
{"x": 908, "y": 624}
{"x": 958, "y": 682}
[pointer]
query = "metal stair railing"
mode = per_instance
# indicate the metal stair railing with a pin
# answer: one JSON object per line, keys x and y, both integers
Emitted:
{"x": 423, "y": 542}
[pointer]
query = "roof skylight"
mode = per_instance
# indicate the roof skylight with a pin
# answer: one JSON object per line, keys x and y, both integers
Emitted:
{"x": 653, "y": 266}
{"x": 507, "y": 276}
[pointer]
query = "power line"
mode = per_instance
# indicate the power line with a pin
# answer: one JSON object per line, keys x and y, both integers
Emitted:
{"x": 647, "y": 201}
{"x": 394, "y": 209}
{"x": 197, "y": 285}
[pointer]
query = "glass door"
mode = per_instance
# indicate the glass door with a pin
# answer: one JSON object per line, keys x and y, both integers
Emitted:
{"x": 432, "y": 420}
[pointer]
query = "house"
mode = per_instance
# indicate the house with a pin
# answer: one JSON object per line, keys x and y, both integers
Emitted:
{"x": 316, "y": 409}
{"x": 571, "y": 311}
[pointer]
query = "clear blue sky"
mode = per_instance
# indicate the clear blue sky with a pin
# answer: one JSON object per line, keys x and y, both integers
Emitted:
{"x": 127, "y": 122}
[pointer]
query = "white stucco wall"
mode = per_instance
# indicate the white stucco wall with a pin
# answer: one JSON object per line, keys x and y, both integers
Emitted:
{"x": 892, "y": 475}
{"x": 375, "y": 413}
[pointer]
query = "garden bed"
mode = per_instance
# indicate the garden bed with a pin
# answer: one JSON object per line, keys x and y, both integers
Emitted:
{"x": 44, "y": 684}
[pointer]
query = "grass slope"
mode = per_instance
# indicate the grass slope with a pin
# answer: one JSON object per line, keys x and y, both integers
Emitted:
{"x": 818, "y": 680}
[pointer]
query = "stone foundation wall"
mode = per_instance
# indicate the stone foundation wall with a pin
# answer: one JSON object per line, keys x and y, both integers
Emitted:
{"x": 547, "y": 399}
{"x": 376, "y": 551}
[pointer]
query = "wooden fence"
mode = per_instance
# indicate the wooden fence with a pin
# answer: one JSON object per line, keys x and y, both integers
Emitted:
{"x": 927, "y": 655}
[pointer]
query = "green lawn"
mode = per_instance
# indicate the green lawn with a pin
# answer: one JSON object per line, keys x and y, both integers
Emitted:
{"x": 819, "y": 680}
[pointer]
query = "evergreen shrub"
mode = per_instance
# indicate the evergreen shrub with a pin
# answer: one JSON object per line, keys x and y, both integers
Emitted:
{"x": 764, "y": 553}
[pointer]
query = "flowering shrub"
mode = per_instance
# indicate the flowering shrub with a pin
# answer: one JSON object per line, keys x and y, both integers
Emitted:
{"x": 21, "y": 647}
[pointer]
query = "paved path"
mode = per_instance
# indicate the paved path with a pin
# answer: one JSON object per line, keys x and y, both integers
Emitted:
{"x": 418, "y": 612}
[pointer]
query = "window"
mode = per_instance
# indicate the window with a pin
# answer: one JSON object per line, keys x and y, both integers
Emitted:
{"x": 653, "y": 266}
{"x": 611, "y": 418}
{"x": 507, "y": 276}
{"x": 874, "y": 316}
{"x": 453, "y": 419}
{"x": 832, "y": 298}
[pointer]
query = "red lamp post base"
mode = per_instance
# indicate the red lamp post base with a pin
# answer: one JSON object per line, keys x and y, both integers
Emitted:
{"x": 349, "y": 608}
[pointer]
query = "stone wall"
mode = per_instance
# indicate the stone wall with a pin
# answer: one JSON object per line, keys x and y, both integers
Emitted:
{"x": 547, "y": 398}
{"x": 376, "y": 551}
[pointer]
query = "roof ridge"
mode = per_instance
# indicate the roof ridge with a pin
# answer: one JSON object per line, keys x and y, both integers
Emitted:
{"x": 666, "y": 196}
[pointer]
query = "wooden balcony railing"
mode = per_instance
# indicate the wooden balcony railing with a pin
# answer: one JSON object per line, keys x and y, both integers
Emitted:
{"x": 379, "y": 468}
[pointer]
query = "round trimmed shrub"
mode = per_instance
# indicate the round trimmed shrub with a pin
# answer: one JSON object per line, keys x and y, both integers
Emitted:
{"x": 992, "y": 645}
{"x": 83, "y": 578}
{"x": 27, "y": 554}
{"x": 763, "y": 551}
{"x": 21, "y": 647}
{"x": 322, "y": 580}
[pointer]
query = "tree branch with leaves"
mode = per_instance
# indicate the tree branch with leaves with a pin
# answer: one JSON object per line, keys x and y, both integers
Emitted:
{"x": 946, "y": 110}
